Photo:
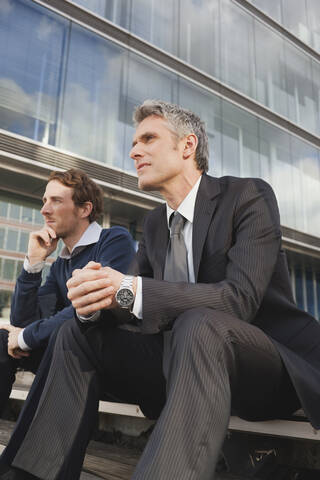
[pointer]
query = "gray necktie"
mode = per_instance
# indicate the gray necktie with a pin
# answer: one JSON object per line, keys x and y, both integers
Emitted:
{"x": 176, "y": 267}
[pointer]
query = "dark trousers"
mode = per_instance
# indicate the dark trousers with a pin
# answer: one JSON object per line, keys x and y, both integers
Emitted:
{"x": 212, "y": 363}
{"x": 10, "y": 365}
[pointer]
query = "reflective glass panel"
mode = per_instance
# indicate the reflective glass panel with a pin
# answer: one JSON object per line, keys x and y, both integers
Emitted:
{"x": 270, "y": 69}
{"x": 313, "y": 17}
{"x": 19, "y": 266}
{"x": 27, "y": 215}
{"x": 23, "y": 242}
{"x": 2, "y": 236}
{"x": 3, "y": 209}
{"x": 8, "y": 270}
{"x": 116, "y": 11}
{"x": 305, "y": 187}
{"x": 199, "y": 34}
{"x": 90, "y": 124}
{"x": 295, "y": 18}
{"x": 299, "y": 288}
{"x": 32, "y": 41}
{"x": 270, "y": 7}
{"x": 275, "y": 162}
{"x": 5, "y": 302}
{"x": 301, "y": 101}
{"x": 156, "y": 22}
{"x": 310, "y": 292}
{"x": 237, "y": 48}
{"x": 12, "y": 240}
{"x": 14, "y": 211}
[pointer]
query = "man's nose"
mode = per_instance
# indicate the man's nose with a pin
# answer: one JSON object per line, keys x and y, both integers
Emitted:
{"x": 45, "y": 209}
{"x": 135, "y": 152}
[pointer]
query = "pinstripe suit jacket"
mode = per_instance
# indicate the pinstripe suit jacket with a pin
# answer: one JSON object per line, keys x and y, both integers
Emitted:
{"x": 240, "y": 269}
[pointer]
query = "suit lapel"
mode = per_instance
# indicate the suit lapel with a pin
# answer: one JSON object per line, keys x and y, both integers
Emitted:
{"x": 206, "y": 203}
{"x": 161, "y": 234}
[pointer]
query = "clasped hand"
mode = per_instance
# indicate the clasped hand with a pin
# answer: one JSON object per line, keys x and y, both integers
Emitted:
{"x": 93, "y": 288}
{"x": 13, "y": 345}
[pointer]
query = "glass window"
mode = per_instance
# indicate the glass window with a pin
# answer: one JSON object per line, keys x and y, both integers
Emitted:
{"x": 2, "y": 237}
{"x": 316, "y": 91}
{"x": 23, "y": 243}
{"x": 295, "y": 18}
{"x": 156, "y": 22}
{"x": 199, "y": 35}
{"x": 19, "y": 266}
{"x": 302, "y": 105}
{"x": 115, "y": 10}
{"x": 310, "y": 292}
{"x": 8, "y": 271}
{"x": 306, "y": 187}
{"x": 14, "y": 211}
{"x": 270, "y": 69}
{"x": 313, "y": 15}
{"x": 275, "y": 164}
{"x": 90, "y": 124}
{"x": 237, "y": 43}
{"x": 12, "y": 240}
{"x": 32, "y": 41}
{"x": 299, "y": 288}
{"x": 27, "y": 214}
{"x": 38, "y": 218}
{"x": 240, "y": 153}
{"x": 270, "y": 7}
{"x": 3, "y": 209}
{"x": 5, "y": 303}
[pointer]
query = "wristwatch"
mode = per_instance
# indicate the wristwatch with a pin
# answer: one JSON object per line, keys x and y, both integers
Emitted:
{"x": 125, "y": 295}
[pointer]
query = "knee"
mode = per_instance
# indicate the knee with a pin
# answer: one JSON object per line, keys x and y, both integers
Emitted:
{"x": 203, "y": 327}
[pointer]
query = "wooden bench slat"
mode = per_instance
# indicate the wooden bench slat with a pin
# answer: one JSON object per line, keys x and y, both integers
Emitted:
{"x": 282, "y": 428}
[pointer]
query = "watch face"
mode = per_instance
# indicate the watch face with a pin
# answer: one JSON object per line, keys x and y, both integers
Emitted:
{"x": 125, "y": 297}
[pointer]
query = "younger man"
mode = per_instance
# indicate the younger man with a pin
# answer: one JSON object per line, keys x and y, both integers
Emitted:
{"x": 72, "y": 203}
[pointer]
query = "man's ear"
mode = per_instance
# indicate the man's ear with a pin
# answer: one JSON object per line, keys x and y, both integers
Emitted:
{"x": 190, "y": 146}
{"x": 86, "y": 209}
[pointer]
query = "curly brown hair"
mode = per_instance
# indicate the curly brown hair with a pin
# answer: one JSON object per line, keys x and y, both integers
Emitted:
{"x": 84, "y": 190}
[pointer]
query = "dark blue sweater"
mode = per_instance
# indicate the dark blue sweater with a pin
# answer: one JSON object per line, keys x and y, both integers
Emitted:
{"x": 40, "y": 309}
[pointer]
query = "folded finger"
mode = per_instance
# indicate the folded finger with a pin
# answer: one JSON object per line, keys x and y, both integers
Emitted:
{"x": 93, "y": 297}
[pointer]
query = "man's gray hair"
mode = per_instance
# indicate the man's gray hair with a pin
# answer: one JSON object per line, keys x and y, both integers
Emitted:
{"x": 181, "y": 122}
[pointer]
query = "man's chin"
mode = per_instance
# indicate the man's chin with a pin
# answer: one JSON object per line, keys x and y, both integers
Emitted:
{"x": 146, "y": 186}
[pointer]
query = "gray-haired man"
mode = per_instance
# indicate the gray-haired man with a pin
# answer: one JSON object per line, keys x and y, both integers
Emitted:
{"x": 208, "y": 322}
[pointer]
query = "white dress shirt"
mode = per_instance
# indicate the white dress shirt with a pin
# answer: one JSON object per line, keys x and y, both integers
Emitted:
{"x": 186, "y": 208}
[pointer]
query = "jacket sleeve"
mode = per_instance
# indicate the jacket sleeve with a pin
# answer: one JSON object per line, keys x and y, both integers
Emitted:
{"x": 250, "y": 264}
{"x": 117, "y": 251}
{"x": 26, "y": 306}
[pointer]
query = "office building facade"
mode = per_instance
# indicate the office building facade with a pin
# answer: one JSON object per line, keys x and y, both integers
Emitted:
{"x": 71, "y": 73}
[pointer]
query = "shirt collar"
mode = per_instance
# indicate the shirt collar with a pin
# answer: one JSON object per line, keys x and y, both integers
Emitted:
{"x": 89, "y": 236}
{"x": 186, "y": 207}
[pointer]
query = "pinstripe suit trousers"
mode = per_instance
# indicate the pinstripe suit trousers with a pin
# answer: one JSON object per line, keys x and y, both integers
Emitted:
{"x": 212, "y": 363}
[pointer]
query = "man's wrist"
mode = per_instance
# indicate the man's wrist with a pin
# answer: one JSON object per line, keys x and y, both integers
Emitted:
{"x": 22, "y": 344}
{"x": 35, "y": 268}
{"x": 93, "y": 317}
{"x": 33, "y": 260}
